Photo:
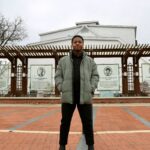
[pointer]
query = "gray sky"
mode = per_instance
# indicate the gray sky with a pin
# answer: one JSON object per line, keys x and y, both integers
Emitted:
{"x": 48, "y": 15}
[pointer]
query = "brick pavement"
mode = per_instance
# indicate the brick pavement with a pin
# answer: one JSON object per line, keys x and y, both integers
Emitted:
{"x": 36, "y": 127}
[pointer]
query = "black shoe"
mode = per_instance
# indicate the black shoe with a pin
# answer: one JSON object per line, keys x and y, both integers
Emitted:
{"x": 90, "y": 147}
{"x": 62, "y": 147}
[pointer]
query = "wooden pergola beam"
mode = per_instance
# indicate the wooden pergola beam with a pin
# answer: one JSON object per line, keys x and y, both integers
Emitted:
{"x": 123, "y": 51}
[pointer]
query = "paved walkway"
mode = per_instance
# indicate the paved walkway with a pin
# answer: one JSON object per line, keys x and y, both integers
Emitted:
{"x": 36, "y": 127}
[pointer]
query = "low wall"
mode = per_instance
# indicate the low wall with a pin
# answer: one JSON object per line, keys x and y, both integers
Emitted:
{"x": 56, "y": 100}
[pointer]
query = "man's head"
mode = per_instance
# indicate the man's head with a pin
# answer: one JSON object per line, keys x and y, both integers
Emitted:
{"x": 77, "y": 42}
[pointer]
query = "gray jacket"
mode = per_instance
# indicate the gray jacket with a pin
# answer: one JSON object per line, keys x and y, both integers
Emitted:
{"x": 89, "y": 78}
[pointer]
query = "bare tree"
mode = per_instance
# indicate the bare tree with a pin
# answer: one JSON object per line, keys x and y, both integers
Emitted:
{"x": 11, "y": 32}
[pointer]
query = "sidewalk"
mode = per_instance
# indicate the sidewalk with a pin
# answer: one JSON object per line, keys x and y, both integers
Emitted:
{"x": 36, "y": 127}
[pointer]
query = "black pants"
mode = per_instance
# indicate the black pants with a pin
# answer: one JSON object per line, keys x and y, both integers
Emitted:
{"x": 86, "y": 115}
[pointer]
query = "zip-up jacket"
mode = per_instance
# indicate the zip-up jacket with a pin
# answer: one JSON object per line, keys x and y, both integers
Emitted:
{"x": 89, "y": 78}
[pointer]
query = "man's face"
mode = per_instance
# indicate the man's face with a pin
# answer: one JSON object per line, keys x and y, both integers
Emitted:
{"x": 77, "y": 44}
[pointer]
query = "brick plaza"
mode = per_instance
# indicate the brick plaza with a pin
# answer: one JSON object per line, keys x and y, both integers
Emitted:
{"x": 36, "y": 127}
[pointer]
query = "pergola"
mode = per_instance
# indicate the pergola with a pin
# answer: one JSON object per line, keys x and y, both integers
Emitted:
{"x": 123, "y": 51}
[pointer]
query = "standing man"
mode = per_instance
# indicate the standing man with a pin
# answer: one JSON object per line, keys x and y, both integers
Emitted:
{"x": 77, "y": 78}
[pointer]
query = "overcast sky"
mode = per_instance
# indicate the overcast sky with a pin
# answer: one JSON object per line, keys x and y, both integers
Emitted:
{"x": 48, "y": 15}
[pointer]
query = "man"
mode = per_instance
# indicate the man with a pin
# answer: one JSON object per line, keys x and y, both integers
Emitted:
{"x": 77, "y": 77}
{"x": 108, "y": 71}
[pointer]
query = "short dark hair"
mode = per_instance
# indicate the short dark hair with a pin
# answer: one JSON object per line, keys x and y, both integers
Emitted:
{"x": 77, "y": 36}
